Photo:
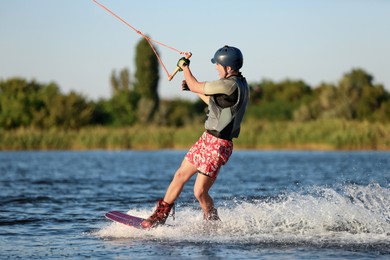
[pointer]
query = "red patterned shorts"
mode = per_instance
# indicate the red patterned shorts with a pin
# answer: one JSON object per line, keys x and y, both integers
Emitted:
{"x": 209, "y": 153}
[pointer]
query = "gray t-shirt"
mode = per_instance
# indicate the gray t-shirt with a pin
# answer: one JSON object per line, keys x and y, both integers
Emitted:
{"x": 221, "y": 86}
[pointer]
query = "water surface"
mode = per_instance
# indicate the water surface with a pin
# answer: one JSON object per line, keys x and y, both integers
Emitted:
{"x": 273, "y": 204}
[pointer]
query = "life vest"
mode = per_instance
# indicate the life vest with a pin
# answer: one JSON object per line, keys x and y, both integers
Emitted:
{"x": 225, "y": 121}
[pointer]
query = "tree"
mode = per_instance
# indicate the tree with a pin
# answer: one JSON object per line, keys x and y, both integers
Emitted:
{"x": 178, "y": 112}
{"x": 122, "y": 83}
{"x": 24, "y": 104}
{"x": 50, "y": 114}
{"x": 321, "y": 105}
{"x": 355, "y": 98}
{"x": 146, "y": 85}
{"x": 77, "y": 112}
{"x": 18, "y": 101}
{"x": 123, "y": 105}
{"x": 277, "y": 101}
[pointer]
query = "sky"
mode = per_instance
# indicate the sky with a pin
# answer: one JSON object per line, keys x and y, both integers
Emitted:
{"x": 77, "y": 44}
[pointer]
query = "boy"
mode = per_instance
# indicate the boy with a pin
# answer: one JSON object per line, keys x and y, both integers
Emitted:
{"x": 227, "y": 99}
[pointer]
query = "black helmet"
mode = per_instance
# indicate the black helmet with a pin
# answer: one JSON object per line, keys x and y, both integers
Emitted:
{"x": 229, "y": 56}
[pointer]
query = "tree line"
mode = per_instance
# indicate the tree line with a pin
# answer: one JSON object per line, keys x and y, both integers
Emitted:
{"x": 27, "y": 103}
{"x": 354, "y": 97}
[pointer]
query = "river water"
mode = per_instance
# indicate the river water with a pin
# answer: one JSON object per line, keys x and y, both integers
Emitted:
{"x": 273, "y": 205}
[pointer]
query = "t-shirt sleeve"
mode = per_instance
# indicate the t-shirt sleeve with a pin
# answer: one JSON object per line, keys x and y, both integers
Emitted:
{"x": 222, "y": 86}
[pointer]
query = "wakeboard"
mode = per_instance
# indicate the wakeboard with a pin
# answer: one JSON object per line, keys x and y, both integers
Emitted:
{"x": 125, "y": 219}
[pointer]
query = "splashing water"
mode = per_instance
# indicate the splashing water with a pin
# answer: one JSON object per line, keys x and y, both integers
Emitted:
{"x": 358, "y": 215}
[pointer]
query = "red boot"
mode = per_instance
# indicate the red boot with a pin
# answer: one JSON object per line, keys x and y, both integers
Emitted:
{"x": 160, "y": 215}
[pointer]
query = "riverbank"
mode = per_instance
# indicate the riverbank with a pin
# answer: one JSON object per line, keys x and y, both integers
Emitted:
{"x": 316, "y": 135}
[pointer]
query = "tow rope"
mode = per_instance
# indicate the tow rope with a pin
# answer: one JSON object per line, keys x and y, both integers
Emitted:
{"x": 150, "y": 40}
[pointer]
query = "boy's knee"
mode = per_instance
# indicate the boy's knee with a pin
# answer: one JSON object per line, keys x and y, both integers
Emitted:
{"x": 199, "y": 193}
{"x": 180, "y": 176}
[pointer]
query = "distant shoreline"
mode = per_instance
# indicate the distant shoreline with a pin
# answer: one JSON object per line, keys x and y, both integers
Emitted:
{"x": 324, "y": 135}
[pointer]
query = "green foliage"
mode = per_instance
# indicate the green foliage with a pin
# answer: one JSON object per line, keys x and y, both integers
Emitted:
{"x": 178, "y": 113}
{"x": 25, "y": 104}
{"x": 355, "y": 98}
{"x": 122, "y": 107}
{"x": 330, "y": 134}
{"x": 352, "y": 114}
{"x": 17, "y": 101}
{"x": 120, "y": 83}
{"x": 277, "y": 101}
{"x": 320, "y": 134}
{"x": 146, "y": 85}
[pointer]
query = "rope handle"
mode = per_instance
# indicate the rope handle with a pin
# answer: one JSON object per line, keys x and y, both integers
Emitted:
{"x": 170, "y": 77}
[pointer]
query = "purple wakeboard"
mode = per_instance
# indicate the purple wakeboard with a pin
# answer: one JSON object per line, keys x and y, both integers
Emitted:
{"x": 125, "y": 219}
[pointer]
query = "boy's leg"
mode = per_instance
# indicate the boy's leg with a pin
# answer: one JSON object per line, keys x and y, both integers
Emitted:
{"x": 182, "y": 175}
{"x": 164, "y": 206}
{"x": 201, "y": 190}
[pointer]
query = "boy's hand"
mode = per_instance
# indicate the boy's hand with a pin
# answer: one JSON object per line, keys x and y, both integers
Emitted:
{"x": 183, "y": 62}
{"x": 184, "y": 86}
